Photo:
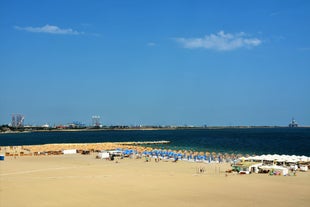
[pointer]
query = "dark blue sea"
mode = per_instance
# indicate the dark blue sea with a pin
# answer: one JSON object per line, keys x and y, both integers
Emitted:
{"x": 291, "y": 141}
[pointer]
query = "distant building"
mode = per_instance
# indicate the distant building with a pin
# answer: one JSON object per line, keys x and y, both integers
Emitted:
{"x": 293, "y": 123}
{"x": 17, "y": 120}
{"x": 76, "y": 125}
{"x": 96, "y": 121}
{"x": 45, "y": 126}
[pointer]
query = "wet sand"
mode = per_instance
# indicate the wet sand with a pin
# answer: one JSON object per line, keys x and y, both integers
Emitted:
{"x": 81, "y": 180}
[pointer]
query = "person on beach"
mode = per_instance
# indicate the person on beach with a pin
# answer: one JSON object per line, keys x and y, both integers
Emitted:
{"x": 112, "y": 157}
{"x": 200, "y": 170}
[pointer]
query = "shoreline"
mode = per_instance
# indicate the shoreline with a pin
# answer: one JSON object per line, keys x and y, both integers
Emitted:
{"x": 24, "y": 150}
{"x": 138, "y": 148}
{"x": 145, "y": 148}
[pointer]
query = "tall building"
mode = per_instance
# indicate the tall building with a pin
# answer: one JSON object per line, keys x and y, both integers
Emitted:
{"x": 96, "y": 121}
{"x": 17, "y": 120}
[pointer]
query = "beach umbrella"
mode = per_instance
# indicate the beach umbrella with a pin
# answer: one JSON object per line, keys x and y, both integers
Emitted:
{"x": 187, "y": 154}
{"x": 180, "y": 153}
{"x": 213, "y": 153}
{"x": 219, "y": 158}
{"x": 226, "y": 156}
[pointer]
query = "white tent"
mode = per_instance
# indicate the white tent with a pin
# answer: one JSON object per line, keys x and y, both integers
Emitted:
{"x": 69, "y": 151}
{"x": 304, "y": 168}
{"x": 278, "y": 158}
{"x": 276, "y": 168}
{"x": 103, "y": 155}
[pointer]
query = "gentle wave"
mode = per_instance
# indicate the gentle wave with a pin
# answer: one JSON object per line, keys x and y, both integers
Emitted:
{"x": 291, "y": 141}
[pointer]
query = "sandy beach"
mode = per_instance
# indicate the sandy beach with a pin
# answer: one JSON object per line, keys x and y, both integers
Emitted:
{"x": 81, "y": 180}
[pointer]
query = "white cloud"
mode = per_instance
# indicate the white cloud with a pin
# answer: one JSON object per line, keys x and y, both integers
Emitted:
{"x": 221, "y": 41}
{"x": 50, "y": 29}
{"x": 151, "y": 44}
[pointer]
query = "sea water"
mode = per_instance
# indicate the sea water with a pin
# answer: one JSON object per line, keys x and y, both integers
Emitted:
{"x": 291, "y": 141}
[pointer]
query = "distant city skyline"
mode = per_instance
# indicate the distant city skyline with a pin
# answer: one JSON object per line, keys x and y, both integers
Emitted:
{"x": 95, "y": 121}
{"x": 215, "y": 63}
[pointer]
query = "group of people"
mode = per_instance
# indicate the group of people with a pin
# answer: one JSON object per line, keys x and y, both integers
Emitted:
{"x": 149, "y": 159}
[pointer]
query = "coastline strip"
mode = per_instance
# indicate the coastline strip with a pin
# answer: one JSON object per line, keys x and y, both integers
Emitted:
{"x": 25, "y": 150}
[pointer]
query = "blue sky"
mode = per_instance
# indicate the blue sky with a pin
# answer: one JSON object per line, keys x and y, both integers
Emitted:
{"x": 155, "y": 62}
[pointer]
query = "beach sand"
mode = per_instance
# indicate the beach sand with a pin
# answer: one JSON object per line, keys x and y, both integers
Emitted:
{"x": 81, "y": 180}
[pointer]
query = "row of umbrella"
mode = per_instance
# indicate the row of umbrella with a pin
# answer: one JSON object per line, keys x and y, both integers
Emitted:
{"x": 185, "y": 155}
{"x": 128, "y": 149}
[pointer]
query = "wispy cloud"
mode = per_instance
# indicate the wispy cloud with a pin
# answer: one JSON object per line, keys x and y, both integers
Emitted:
{"x": 151, "y": 44}
{"x": 304, "y": 48}
{"x": 221, "y": 41}
{"x": 50, "y": 29}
